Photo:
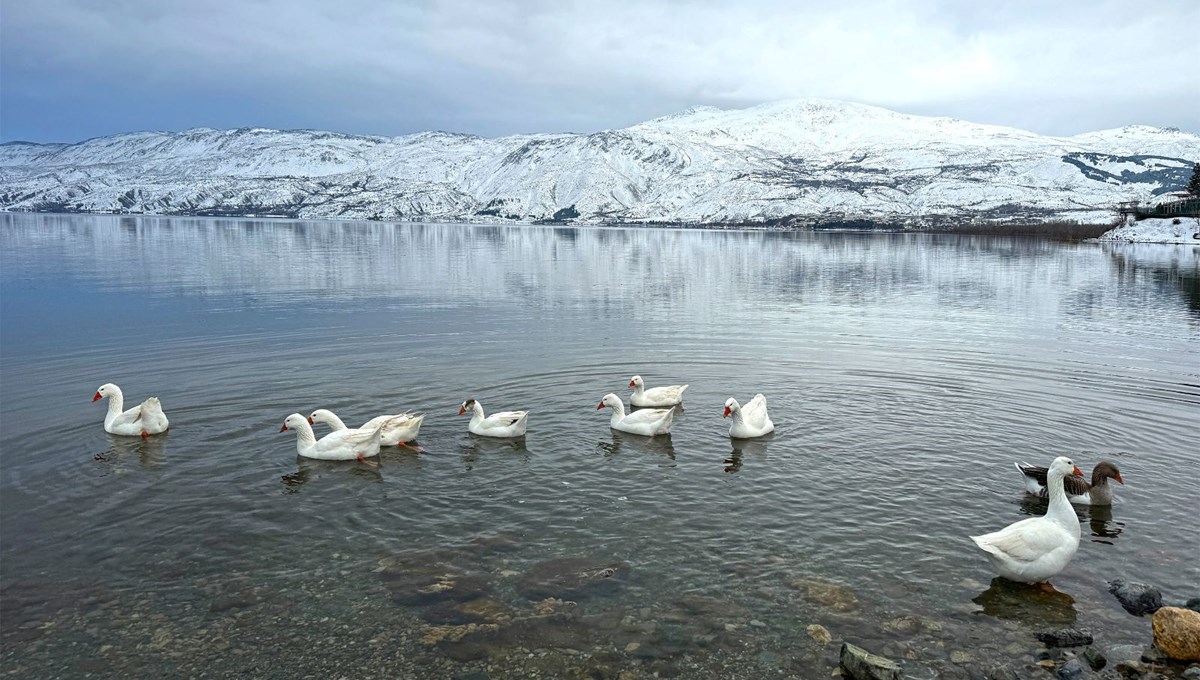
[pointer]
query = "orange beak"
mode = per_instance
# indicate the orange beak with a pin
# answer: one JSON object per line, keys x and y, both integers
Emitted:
{"x": 632, "y": 384}
{"x": 600, "y": 406}
{"x": 97, "y": 397}
{"x": 1077, "y": 471}
{"x": 727, "y": 412}
{"x": 462, "y": 410}
{"x": 1118, "y": 478}
{"x": 310, "y": 421}
{"x": 284, "y": 428}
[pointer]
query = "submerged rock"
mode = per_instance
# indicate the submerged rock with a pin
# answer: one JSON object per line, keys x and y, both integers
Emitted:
{"x": 819, "y": 633}
{"x": 571, "y": 577}
{"x": 1067, "y": 637}
{"x": 1137, "y": 598}
{"x": 431, "y": 577}
{"x": 1177, "y": 632}
{"x": 1193, "y": 604}
{"x": 832, "y": 596}
{"x": 860, "y": 664}
{"x": 1071, "y": 670}
{"x": 1095, "y": 658}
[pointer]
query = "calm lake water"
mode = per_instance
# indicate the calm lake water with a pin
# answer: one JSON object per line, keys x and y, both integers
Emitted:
{"x": 905, "y": 374}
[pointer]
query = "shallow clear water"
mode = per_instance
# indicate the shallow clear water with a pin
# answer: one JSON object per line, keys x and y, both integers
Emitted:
{"x": 905, "y": 375}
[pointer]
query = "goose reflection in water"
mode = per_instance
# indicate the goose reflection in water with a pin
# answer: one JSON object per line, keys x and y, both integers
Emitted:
{"x": 1026, "y": 604}
{"x": 1104, "y": 529}
{"x": 659, "y": 444}
{"x": 150, "y": 451}
{"x": 490, "y": 445}
{"x": 756, "y": 448}
{"x": 309, "y": 469}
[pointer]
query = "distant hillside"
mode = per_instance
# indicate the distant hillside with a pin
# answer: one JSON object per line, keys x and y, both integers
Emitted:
{"x": 805, "y": 162}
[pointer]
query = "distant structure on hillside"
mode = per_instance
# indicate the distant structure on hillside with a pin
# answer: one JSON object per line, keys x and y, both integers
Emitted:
{"x": 1174, "y": 204}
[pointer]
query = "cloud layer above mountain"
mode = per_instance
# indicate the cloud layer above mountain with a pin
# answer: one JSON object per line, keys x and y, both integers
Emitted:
{"x": 77, "y": 68}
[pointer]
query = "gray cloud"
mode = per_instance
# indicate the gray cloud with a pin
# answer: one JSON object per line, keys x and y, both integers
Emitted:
{"x": 511, "y": 66}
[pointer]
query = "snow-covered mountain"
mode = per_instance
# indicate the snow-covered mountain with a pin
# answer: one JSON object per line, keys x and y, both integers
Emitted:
{"x": 800, "y": 162}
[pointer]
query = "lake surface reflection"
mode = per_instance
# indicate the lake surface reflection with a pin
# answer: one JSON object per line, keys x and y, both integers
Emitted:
{"x": 905, "y": 374}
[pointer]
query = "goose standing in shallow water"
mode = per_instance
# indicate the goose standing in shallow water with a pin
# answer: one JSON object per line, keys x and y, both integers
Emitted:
{"x": 397, "y": 430}
{"x": 647, "y": 422}
{"x": 337, "y": 445}
{"x": 749, "y": 421}
{"x": 143, "y": 420}
{"x": 659, "y": 397}
{"x": 1036, "y": 549}
{"x": 502, "y": 424}
{"x": 1078, "y": 489}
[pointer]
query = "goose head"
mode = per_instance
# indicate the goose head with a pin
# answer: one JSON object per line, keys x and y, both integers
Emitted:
{"x": 294, "y": 422}
{"x": 636, "y": 381}
{"x": 610, "y": 400}
{"x": 106, "y": 390}
{"x": 731, "y": 406}
{"x": 468, "y": 405}
{"x": 1065, "y": 466}
{"x": 1106, "y": 470}
{"x": 321, "y": 415}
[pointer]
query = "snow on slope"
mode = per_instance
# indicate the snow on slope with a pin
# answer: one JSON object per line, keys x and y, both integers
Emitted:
{"x": 1183, "y": 230}
{"x": 810, "y": 160}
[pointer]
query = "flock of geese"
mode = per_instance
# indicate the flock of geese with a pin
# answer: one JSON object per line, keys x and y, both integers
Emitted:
{"x": 1029, "y": 551}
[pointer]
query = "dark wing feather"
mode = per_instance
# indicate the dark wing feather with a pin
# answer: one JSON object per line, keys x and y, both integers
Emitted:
{"x": 1074, "y": 485}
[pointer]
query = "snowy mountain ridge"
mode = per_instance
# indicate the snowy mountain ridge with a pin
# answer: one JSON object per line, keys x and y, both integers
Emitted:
{"x": 806, "y": 161}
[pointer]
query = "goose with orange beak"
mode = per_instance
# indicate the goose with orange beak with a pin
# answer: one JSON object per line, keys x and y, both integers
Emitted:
{"x": 647, "y": 422}
{"x": 749, "y": 421}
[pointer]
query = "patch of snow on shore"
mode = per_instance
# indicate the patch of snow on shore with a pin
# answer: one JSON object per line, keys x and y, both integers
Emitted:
{"x": 1184, "y": 230}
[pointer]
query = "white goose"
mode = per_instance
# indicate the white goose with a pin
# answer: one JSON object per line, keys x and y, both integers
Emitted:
{"x": 144, "y": 419}
{"x": 749, "y": 421}
{"x": 1035, "y": 549}
{"x": 648, "y": 422}
{"x": 338, "y": 445}
{"x": 660, "y": 397}
{"x": 398, "y": 429}
{"x": 502, "y": 424}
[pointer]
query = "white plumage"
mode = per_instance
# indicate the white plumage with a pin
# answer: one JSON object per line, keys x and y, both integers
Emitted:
{"x": 502, "y": 424}
{"x": 1036, "y": 549}
{"x": 338, "y": 445}
{"x": 648, "y": 422}
{"x": 143, "y": 420}
{"x": 749, "y": 421}
{"x": 668, "y": 395}
{"x": 396, "y": 430}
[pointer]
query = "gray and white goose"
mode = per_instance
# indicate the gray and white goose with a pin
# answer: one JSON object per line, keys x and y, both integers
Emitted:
{"x": 1078, "y": 489}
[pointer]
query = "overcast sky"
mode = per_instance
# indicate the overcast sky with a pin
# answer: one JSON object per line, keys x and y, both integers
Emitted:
{"x": 74, "y": 69}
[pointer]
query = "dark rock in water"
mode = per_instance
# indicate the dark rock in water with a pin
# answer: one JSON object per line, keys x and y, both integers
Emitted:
{"x": 473, "y": 675}
{"x": 1192, "y": 673}
{"x": 1071, "y": 670}
{"x": 860, "y": 664}
{"x": 571, "y": 578}
{"x": 1095, "y": 658}
{"x": 1125, "y": 660}
{"x": 1137, "y": 598}
{"x": 1152, "y": 654}
{"x": 1193, "y": 604}
{"x": 1067, "y": 637}
{"x": 1002, "y": 673}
